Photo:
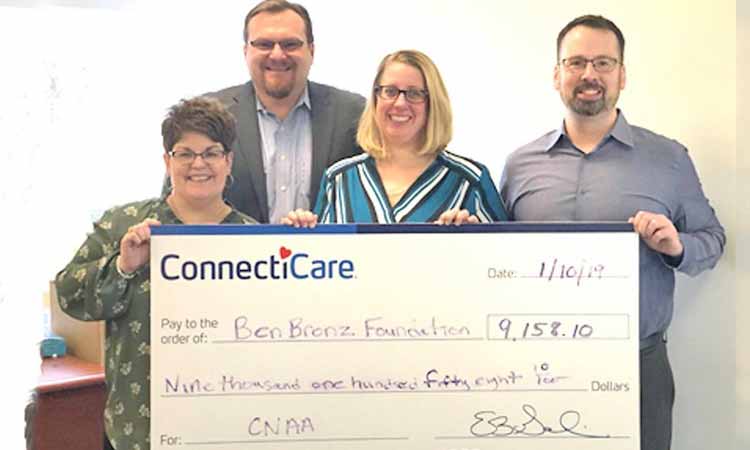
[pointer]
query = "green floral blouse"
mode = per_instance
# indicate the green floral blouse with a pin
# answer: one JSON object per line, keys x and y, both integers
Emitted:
{"x": 91, "y": 288}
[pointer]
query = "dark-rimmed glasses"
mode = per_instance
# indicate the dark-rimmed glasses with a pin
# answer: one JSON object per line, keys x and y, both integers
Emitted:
{"x": 286, "y": 45}
{"x": 390, "y": 93}
{"x": 601, "y": 64}
{"x": 187, "y": 157}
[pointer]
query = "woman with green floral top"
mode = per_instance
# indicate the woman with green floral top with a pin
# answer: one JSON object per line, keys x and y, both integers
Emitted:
{"x": 108, "y": 279}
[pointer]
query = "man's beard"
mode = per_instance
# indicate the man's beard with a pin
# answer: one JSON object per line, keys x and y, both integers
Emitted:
{"x": 279, "y": 87}
{"x": 590, "y": 107}
{"x": 280, "y": 92}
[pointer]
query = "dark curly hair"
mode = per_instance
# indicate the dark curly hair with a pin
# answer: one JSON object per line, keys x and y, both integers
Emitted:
{"x": 202, "y": 115}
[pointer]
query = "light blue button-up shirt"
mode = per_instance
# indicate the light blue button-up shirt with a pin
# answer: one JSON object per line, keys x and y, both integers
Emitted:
{"x": 287, "y": 157}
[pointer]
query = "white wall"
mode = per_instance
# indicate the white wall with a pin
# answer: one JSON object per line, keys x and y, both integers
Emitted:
{"x": 83, "y": 91}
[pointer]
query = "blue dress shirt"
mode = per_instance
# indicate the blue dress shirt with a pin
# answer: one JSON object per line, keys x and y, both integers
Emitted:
{"x": 631, "y": 169}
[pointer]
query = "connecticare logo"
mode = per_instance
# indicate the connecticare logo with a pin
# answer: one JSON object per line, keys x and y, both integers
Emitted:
{"x": 287, "y": 264}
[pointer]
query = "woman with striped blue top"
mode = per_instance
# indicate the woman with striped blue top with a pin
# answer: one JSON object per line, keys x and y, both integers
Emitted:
{"x": 405, "y": 173}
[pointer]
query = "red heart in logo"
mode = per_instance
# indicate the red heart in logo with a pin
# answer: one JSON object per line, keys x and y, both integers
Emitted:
{"x": 284, "y": 252}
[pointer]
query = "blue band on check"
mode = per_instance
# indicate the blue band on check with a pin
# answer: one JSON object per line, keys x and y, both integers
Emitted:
{"x": 506, "y": 227}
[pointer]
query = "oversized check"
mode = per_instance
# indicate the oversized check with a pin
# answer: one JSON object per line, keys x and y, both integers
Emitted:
{"x": 508, "y": 336}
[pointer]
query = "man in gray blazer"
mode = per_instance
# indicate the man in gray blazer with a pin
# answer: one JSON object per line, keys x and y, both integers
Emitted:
{"x": 289, "y": 129}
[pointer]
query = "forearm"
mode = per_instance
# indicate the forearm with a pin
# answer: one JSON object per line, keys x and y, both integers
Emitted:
{"x": 92, "y": 290}
{"x": 702, "y": 249}
{"x": 700, "y": 232}
{"x": 90, "y": 287}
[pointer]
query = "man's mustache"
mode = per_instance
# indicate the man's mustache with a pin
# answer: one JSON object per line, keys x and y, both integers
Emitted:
{"x": 588, "y": 85}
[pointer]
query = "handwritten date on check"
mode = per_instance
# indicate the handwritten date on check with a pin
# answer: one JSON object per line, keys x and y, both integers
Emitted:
{"x": 442, "y": 340}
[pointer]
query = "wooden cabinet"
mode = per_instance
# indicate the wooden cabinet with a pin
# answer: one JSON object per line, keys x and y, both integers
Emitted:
{"x": 69, "y": 406}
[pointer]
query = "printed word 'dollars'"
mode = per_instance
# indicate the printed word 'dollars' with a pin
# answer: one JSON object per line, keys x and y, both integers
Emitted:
{"x": 285, "y": 265}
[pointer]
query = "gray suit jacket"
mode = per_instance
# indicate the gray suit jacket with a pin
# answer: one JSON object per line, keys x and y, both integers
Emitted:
{"x": 335, "y": 114}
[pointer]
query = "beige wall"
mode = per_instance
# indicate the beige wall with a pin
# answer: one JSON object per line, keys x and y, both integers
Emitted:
{"x": 743, "y": 226}
{"x": 682, "y": 83}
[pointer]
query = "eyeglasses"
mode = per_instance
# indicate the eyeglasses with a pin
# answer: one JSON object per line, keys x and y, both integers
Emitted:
{"x": 390, "y": 92}
{"x": 601, "y": 64}
{"x": 187, "y": 157}
{"x": 286, "y": 45}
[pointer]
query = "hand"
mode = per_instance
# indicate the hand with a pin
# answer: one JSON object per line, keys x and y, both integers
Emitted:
{"x": 456, "y": 217}
{"x": 658, "y": 232}
{"x": 135, "y": 246}
{"x": 300, "y": 218}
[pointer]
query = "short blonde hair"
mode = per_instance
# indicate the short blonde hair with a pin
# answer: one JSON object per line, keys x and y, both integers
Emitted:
{"x": 439, "y": 127}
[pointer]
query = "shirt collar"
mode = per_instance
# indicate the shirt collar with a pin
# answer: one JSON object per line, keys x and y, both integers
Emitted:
{"x": 621, "y": 132}
{"x": 554, "y": 138}
{"x": 304, "y": 99}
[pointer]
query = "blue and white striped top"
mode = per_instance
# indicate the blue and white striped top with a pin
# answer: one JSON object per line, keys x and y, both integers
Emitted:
{"x": 351, "y": 191}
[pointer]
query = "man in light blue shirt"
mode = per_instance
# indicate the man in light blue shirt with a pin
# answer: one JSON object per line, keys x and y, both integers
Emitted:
{"x": 597, "y": 167}
{"x": 289, "y": 128}
{"x": 287, "y": 157}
